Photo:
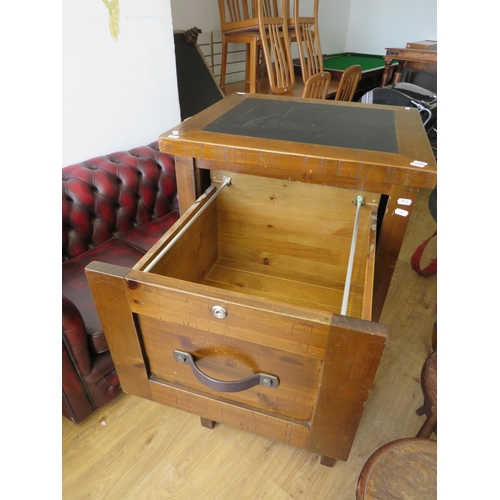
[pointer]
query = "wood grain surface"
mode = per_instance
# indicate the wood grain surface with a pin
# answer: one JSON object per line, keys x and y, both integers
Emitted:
{"x": 138, "y": 449}
{"x": 405, "y": 469}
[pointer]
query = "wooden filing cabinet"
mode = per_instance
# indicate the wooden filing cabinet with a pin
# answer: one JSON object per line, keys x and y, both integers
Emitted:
{"x": 238, "y": 313}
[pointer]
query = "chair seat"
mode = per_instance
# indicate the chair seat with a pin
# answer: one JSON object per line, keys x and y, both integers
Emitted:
{"x": 405, "y": 469}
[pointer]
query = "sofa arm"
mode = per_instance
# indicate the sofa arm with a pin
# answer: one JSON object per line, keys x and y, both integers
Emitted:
{"x": 75, "y": 337}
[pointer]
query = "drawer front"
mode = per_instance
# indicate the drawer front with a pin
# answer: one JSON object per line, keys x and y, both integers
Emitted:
{"x": 325, "y": 364}
{"x": 245, "y": 342}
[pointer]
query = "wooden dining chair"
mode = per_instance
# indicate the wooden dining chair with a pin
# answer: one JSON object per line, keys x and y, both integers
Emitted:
{"x": 308, "y": 43}
{"x": 239, "y": 24}
{"x": 403, "y": 469}
{"x": 428, "y": 382}
{"x": 316, "y": 86}
{"x": 274, "y": 32}
{"x": 348, "y": 83}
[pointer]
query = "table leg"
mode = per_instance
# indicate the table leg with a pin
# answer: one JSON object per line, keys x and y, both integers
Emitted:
{"x": 186, "y": 185}
{"x": 387, "y": 73}
{"x": 252, "y": 61}
{"x": 398, "y": 73}
{"x": 223, "y": 65}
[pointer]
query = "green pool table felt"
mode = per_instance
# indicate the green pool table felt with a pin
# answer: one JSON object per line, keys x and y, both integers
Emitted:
{"x": 341, "y": 62}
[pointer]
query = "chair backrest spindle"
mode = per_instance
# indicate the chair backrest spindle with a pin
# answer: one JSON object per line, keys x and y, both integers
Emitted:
{"x": 276, "y": 48}
{"x": 348, "y": 83}
{"x": 307, "y": 33}
{"x": 316, "y": 86}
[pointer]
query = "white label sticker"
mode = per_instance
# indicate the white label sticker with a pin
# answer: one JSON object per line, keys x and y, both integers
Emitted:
{"x": 417, "y": 163}
{"x": 400, "y": 211}
{"x": 404, "y": 201}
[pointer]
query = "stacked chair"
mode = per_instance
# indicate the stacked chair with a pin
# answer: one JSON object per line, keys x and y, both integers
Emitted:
{"x": 275, "y": 36}
{"x": 266, "y": 27}
{"x": 269, "y": 27}
{"x": 276, "y": 47}
{"x": 316, "y": 80}
{"x": 240, "y": 24}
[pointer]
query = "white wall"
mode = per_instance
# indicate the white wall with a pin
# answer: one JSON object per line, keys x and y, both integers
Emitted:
{"x": 355, "y": 25}
{"x": 333, "y": 22}
{"x": 377, "y": 24}
{"x": 201, "y": 13}
{"x": 121, "y": 93}
{"x": 116, "y": 93}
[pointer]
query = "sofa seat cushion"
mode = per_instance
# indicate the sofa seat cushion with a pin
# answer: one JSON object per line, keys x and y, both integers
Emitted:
{"x": 75, "y": 286}
{"x": 145, "y": 236}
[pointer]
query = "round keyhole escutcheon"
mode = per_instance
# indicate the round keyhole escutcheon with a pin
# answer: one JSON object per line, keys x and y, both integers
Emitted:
{"x": 219, "y": 312}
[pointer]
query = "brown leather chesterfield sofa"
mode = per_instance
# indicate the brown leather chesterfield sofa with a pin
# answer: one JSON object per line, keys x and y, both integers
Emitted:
{"x": 114, "y": 209}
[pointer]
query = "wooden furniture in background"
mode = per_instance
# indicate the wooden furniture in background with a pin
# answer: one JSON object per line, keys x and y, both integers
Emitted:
{"x": 263, "y": 88}
{"x": 276, "y": 47}
{"x": 355, "y": 160}
{"x": 317, "y": 86}
{"x": 428, "y": 381}
{"x": 239, "y": 25}
{"x": 405, "y": 469}
{"x": 348, "y": 83}
{"x": 403, "y": 56}
{"x": 316, "y": 81}
{"x": 308, "y": 42}
{"x": 423, "y": 45}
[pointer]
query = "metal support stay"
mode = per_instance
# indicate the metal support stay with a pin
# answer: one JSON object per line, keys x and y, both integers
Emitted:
{"x": 359, "y": 201}
{"x": 225, "y": 182}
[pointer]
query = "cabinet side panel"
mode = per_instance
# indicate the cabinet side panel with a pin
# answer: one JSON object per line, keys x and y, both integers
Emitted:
{"x": 194, "y": 253}
{"x": 351, "y": 361}
{"x": 107, "y": 284}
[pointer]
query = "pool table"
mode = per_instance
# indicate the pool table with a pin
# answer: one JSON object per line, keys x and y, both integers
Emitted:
{"x": 372, "y": 67}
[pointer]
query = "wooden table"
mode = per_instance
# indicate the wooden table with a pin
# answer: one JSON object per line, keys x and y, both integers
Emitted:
{"x": 382, "y": 149}
{"x": 404, "y": 55}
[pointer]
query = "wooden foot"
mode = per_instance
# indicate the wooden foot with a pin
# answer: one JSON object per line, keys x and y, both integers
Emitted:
{"x": 205, "y": 422}
{"x": 328, "y": 461}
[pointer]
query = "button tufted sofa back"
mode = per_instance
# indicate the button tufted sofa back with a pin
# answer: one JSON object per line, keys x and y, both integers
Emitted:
{"x": 110, "y": 195}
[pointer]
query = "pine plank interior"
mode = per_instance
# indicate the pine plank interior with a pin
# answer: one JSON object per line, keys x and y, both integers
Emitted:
{"x": 258, "y": 238}
{"x": 138, "y": 449}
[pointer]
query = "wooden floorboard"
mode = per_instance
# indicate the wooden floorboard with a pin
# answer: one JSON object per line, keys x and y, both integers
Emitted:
{"x": 138, "y": 449}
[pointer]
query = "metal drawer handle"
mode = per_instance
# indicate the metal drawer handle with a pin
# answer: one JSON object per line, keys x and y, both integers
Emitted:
{"x": 221, "y": 385}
